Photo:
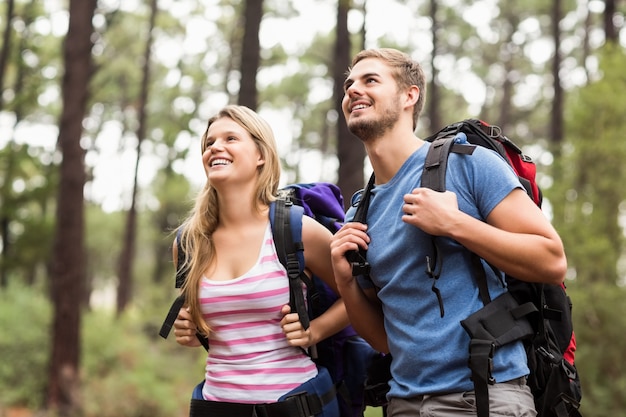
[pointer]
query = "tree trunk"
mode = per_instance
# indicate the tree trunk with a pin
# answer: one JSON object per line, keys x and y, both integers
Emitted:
{"x": 125, "y": 272}
{"x": 250, "y": 53}
{"x": 556, "y": 125}
{"x": 350, "y": 150}
{"x": 67, "y": 266}
{"x": 434, "y": 95}
{"x": 4, "y": 218}
{"x": 5, "y": 51}
{"x": 610, "y": 31}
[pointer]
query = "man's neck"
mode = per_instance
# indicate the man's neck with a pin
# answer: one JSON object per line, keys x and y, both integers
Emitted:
{"x": 388, "y": 153}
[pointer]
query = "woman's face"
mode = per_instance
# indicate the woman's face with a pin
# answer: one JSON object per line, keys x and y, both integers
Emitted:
{"x": 230, "y": 153}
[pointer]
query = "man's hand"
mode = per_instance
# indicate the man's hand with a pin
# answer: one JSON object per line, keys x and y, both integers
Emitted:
{"x": 350, "y": 237}
{"x": 431, "y": 211}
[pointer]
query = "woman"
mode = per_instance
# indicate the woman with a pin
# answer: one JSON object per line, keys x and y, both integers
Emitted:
{"x": 236, "y": 289}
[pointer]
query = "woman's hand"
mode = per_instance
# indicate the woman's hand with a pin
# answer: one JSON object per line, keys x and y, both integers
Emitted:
{"x": 294, "y": 332}
{"x": 185, "y": 329}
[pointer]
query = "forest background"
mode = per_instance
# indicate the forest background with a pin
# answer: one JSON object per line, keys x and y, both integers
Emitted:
{"x": 102, "y": 106}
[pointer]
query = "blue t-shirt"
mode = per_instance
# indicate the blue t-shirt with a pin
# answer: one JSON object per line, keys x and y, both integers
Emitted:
{"x": 430, "y": 353}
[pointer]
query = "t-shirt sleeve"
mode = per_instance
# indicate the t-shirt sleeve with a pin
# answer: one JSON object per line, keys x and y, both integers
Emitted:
{"x": 480, "y": 180}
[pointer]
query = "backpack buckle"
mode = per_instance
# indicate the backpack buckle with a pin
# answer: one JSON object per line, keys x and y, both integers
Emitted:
{"x": 302, "y": 402}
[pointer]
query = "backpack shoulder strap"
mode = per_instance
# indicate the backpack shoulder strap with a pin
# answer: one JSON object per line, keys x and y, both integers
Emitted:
{"x": 434, "y": 173}
{"x": 181, "y": 276}
{"x": 434, "y": 177}
{"x": 358, "y": 259}
{"x": 286, "y": 222}
{"x": 179, "y": 302}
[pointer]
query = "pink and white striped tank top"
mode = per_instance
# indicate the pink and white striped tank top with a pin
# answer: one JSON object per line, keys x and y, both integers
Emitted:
{"x": 249, "y": 360}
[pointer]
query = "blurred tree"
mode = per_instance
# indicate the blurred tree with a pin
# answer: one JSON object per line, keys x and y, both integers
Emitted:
{"x": 127, "y": 255}
{"x": 588, "y": 199}
{"x": 611, "y": 31}
{"x": 6, "y": 45}
{"x": 250, "y": 53}
{"x": 22, "y": 83}
{"x": 68, "y": 264}
{"x": 350, "y": 150}
{"x": 432, "y": 91}
{"x": 556, "y": 121}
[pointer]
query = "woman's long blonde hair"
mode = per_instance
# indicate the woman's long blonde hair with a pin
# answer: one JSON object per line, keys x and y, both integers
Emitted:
{"x": 197, "y": 229}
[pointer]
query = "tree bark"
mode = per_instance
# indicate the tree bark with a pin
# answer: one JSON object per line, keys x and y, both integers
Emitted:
{"x": 250, "y": 53}
{"x": 350, "y": 150}
{"x": 6, "y": 45}
{"x": 434, "y": 95}
{"x": 67, "y": 267}
{"x": 556, "y": 124}
{"x": 4, "y": 218}
{"x": 610, "y": 31}
{"x": 127, "y": 256}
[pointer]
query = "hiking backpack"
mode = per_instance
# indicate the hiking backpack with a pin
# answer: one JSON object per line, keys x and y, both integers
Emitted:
{"x": 345, "y": 355}
{"x": 539, "y": 314}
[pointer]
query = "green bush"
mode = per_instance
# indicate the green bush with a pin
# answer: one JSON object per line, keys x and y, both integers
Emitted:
{"x": 126, "y": 369}
{"x": 129, "y": 371}
{"x": 25, "y": 316}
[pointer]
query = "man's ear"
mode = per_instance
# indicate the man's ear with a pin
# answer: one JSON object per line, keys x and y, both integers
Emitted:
{"x": 412, "y": 95}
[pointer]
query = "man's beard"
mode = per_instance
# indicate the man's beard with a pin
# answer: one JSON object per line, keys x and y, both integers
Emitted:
{"x": 368, "y": 130}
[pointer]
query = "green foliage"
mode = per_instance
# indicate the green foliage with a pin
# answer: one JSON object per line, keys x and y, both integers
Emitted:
{"x": 587, "y": 199}
{"x": 129, "y": 371}
{"x": 25, "y": 315}
{"x": 588, "y": 196}
{"x": 27, "y": 190}
{"x": 599, "y": 315}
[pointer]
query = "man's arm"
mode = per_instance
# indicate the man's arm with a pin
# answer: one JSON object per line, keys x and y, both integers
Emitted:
{"x": 517, "y": 238}
{"x": 363, "y": 306}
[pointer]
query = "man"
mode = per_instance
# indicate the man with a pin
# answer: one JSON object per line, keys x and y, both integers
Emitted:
{"x": 399, "y": 308}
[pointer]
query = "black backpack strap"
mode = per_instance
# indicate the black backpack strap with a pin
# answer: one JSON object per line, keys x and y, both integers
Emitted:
{"x": 302, "y": 404}
{"x": 286, "y": 221}
{"x": 434, "y": 173}
{"x": 181, "y": 276}
{"x": 500, "y": 322}
{"x": 478, "y": 272}
{"x": 286, "y": 250}
{"x": 358, "y": 259}
{"x": 179, "y": 302}
{"x": 168, "y": 323}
